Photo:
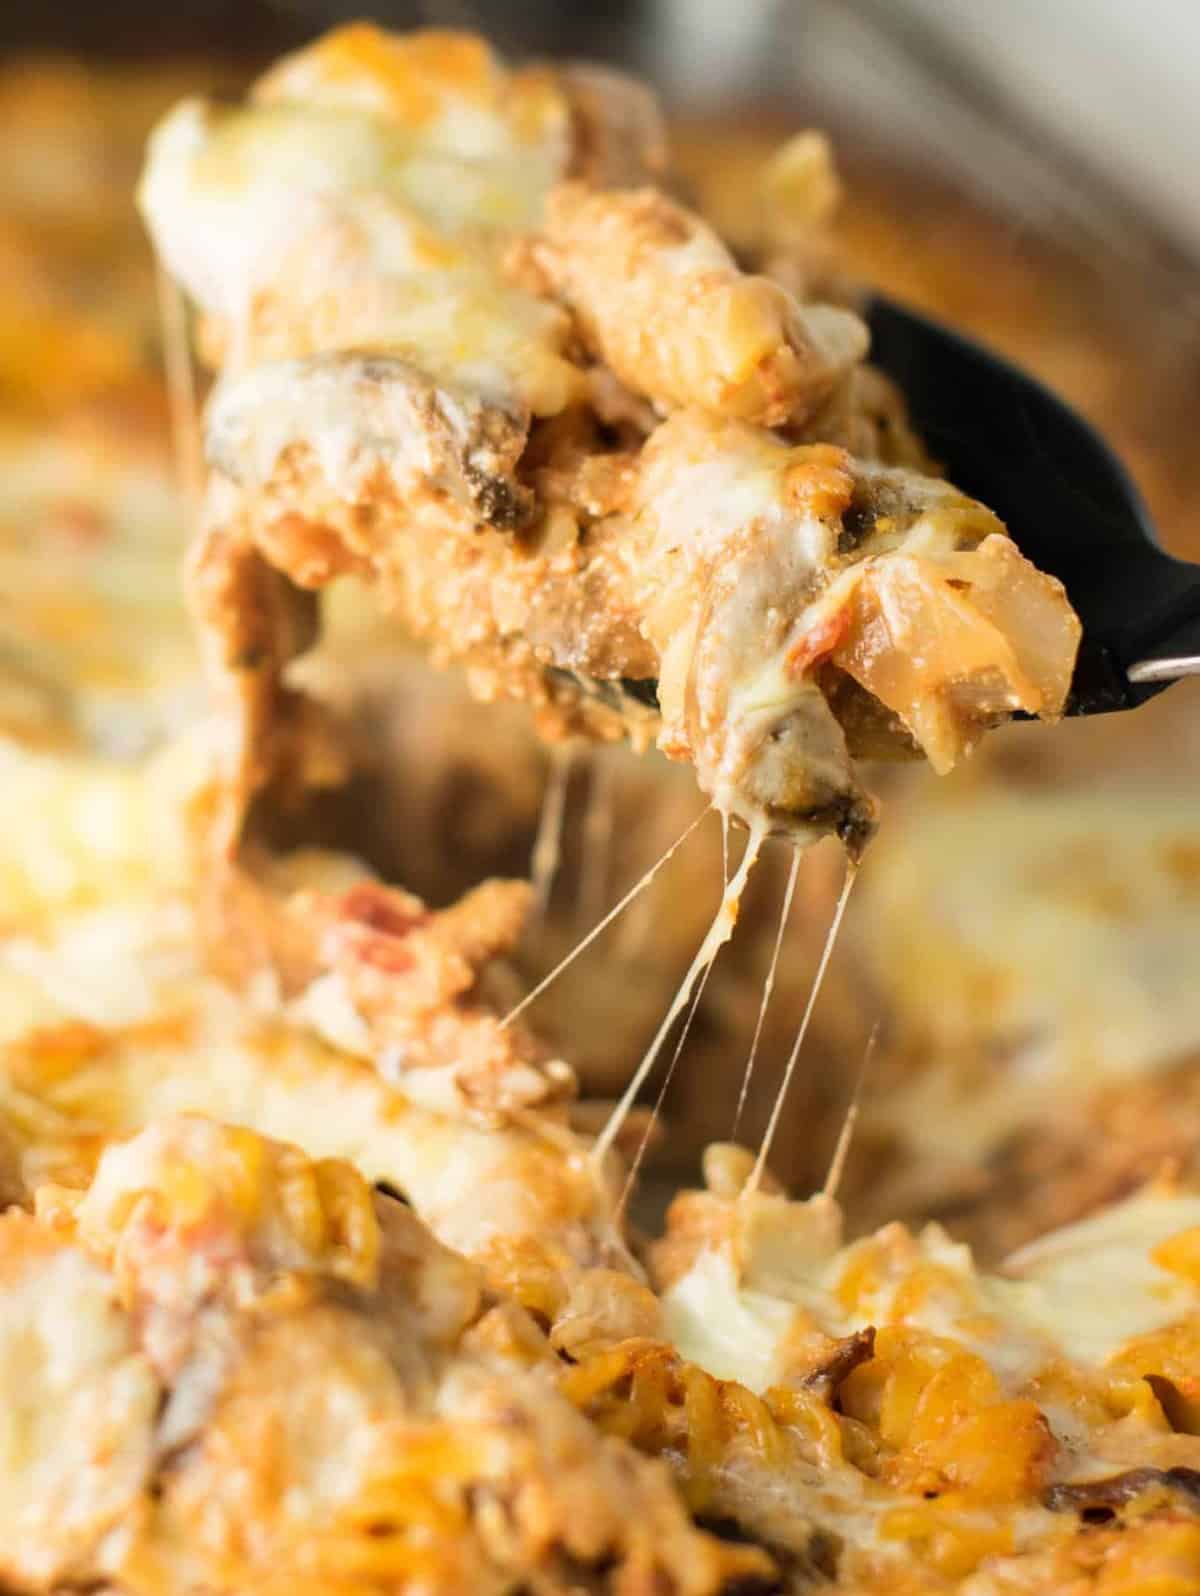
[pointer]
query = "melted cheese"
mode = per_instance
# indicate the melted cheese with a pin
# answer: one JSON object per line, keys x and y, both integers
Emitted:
{"x": 199, "y": 1050}
{"x": 1079, "y": 1294}
{"x": 714, "y": 507}
{"x": 1064, "y": 948}
{"x": 279, "y": 200}
{"x": 89, "y": 832}
{"x": 733, "y": 1332}
{"x": 447, "y": 90}
{"x": 98, "y": 652}
{"x": 715, "y": 938}
{"x": 1093, "y": 1286}
{"x": 95, "y": 930}
{"x": 225, "y": 190}
{"x": 77, "y": 1419}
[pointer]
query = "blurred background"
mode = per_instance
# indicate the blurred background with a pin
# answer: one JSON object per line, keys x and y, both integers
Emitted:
{"x": 1068, "y": 101}
{"x": 1027, "y": 928}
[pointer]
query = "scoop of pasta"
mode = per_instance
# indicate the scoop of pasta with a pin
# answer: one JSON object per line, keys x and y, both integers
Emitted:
{"x": 469, "y": 355}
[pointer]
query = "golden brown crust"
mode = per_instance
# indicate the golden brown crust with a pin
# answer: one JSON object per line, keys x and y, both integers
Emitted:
{"x": 660, "y": 299}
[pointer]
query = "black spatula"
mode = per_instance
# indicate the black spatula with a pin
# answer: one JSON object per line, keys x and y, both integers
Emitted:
{"x": 1065, "y": 498}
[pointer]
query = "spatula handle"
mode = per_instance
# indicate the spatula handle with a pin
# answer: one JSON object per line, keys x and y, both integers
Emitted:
{"x": 1177, "y": 655}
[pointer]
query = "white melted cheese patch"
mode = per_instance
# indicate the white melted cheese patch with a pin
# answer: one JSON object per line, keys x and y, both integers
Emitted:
{"x": 1056, "y": 932}
{"x": 469, "y": 1184}
{"x": 715, "y": 501}
{"x": 732, "y": 1333}
{"x": 221, "y": 1059}
{"x": 1079, "y": 1293}
{"x": 1093, "y": 1286}
{"x": 225, "y": 190}
{"x": 366, "y": 233}
{"x": 77, "y": 1420}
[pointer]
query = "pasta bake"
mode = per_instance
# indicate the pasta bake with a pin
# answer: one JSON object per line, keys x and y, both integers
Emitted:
{"x": 471, "y": 350}
{"x": 318, "y": 1278}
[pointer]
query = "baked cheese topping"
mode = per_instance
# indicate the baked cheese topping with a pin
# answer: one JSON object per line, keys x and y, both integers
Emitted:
{"x": 103, "y": 990}
{"x": 1076, "y": 894}
{"x": 98, "y": 652}
{"x": 943, "y": 1424}
{"x": 740, "y": 1317}
{"x": 759, "y": 527}
{"x": 227, "y": 1364}
{"x": 468, "y": 358}
{"x": 974, "y": 1410}
{"x": 80, "y": 1405}
{"x": 408, "y": 219}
